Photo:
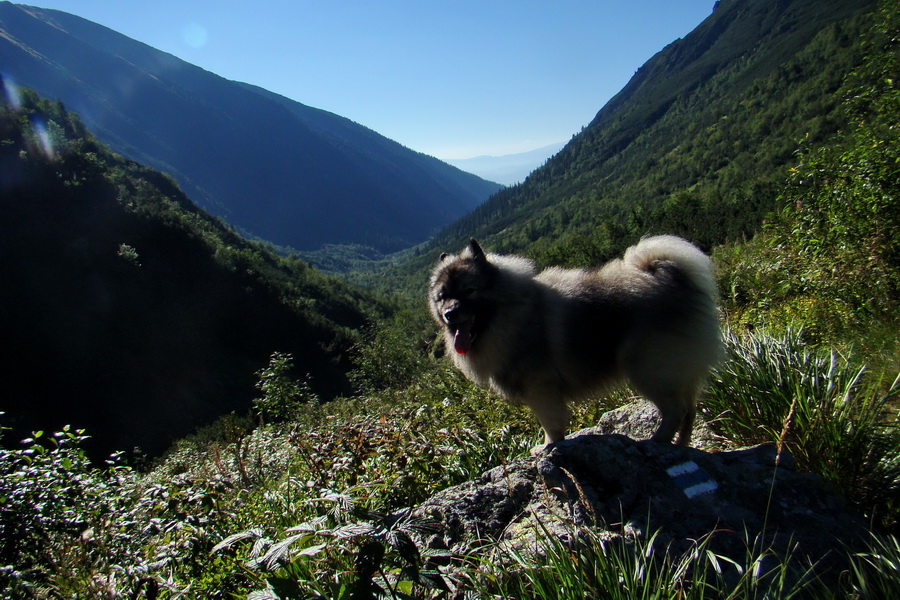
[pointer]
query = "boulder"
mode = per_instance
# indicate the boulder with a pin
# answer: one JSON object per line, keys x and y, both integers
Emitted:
{"x": 639, "y": 420}
{"x": 626, "y": 489}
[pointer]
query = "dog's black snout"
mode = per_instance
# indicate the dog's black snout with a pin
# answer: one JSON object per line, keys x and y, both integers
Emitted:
{"x": 451, "y": 314}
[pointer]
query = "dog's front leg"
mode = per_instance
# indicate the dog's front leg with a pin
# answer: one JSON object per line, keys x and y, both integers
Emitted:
{"x": 553, "y": 415}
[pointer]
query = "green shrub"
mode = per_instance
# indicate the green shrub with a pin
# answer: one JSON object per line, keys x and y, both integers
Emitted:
{"x": 313, "y": 557}
{"x": 394, "y": 353}
{"x": 63, "y": 522}
{"x": 283, "y": 395}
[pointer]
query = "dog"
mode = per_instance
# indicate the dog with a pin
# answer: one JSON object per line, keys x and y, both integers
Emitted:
{"x": 547, "y": 339}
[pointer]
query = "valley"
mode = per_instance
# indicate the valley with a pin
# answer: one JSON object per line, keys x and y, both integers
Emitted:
{"x": 209, "y": 410}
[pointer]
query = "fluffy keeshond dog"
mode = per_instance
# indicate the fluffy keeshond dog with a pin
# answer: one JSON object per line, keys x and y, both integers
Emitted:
{"x": 545, "y": 339}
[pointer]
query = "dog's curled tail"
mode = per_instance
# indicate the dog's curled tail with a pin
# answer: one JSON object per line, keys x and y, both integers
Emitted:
{"x": 691, "y": 260}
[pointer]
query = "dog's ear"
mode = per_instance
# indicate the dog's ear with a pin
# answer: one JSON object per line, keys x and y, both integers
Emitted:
{"x": 444, "y": 256}
{"x": 475, "y": 250}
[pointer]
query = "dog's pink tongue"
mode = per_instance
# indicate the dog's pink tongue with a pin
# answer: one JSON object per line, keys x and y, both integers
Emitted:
{"x": 462, "y": 340}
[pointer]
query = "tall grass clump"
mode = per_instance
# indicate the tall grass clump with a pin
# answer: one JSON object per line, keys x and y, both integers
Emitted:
{"x": 834, "y": 416}
{"x": 587, "y": 563}
{"x": 875, "y": 573}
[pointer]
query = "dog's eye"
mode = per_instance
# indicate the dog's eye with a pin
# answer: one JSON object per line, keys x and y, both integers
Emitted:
{"x": 470, "y": 291}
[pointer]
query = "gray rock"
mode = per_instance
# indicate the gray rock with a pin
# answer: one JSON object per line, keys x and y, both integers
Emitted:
{"x": 639, "y": 420}
{"x": 626, "y": 489}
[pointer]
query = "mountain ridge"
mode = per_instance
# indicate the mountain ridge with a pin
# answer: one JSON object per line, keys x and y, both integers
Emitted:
{"x": 696, "y": 149}
{"x": 130, "y": 312}
{"x": 629, "y": 170}
{"x": 276, "y": 169}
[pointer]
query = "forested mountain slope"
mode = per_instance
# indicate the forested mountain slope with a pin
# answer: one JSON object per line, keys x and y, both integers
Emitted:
{"x": 696, "y": 144}
{"x": 128, "y": 311}
{"x": 288, "y": 173}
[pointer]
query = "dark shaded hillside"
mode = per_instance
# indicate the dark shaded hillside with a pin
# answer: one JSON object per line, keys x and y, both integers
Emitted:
{"x": 696, "y": 144}
{"x": 285, "y": 172}
{"x": 128, "y": 311}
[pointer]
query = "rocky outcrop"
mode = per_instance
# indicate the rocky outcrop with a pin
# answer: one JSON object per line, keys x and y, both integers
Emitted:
{"x": 639, "y": 420}
{"x": 744, "y": 499}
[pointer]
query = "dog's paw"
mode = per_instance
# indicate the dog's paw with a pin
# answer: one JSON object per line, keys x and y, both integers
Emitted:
{"x": 540, "y": 448}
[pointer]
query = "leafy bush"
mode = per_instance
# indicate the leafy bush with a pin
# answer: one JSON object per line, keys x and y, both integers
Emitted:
{"x": 71, "y": 529}
{"x": 282, "y": 394}
{"x": 384, "y": 554}
{"x": 62, "y": 521}
{"x": 394, "y": 353}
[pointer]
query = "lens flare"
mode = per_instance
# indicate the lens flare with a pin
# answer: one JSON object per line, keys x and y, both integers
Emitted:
{"x": 11, "y": 92}
{"x": 195, "y": 35}
{"x": 43, "y": 136}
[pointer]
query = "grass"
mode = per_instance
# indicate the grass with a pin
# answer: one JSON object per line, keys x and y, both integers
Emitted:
{"x": 835, "y": 417}
{"x": 629, "y": 568}
{"x": 296, "y": 509}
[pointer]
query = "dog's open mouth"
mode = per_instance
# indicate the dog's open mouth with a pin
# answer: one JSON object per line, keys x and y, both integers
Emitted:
{"x": 463, "y": 336}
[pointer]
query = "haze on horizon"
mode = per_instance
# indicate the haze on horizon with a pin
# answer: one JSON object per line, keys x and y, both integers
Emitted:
{"x": 455, "y": 81}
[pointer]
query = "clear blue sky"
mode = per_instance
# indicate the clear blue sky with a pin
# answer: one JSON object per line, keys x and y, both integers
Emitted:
{"x": 451, "y": 79}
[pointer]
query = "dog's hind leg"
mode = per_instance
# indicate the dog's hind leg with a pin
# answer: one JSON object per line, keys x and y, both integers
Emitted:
{"x": 678, "y": 411}
{"x": 670, "y": 424}
{"x": 687, "y": 424}
{"x": 689, "y": 404}
{"x": 666, "y": 376}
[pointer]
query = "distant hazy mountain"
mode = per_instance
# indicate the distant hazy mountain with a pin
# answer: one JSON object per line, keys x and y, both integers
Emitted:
{"x": 288, "y": 173}
{"x": 508, "y": 169}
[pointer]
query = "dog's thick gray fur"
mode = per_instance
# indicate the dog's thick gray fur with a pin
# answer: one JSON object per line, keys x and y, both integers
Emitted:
{"x": 649, "y": 318}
